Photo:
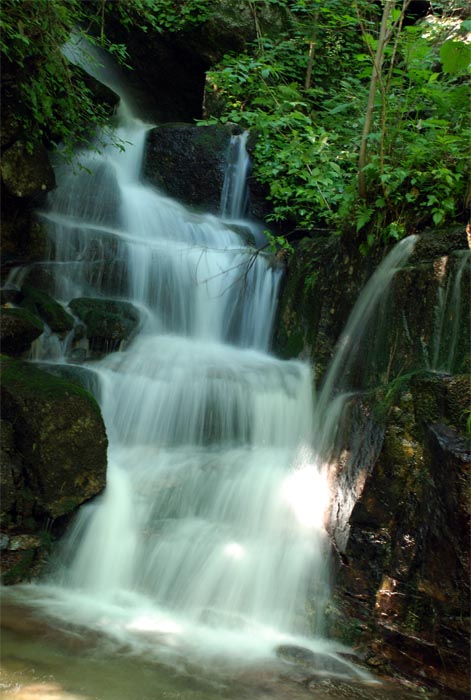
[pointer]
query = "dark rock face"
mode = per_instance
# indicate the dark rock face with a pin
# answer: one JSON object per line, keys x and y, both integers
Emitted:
{"x": 26, "y": 174}
{"x": 54, "y": 453}
{"x": 405, "y": 571}
{"x": 189, "y": 162}
{"x": 167, "y": 82}
{"x": 322, "y": 283}
{"x": 423, "y": 321}
{"x": 18, "y": 329}
{"x": 107, "y": 322}
{"x": 62, "y": 437}
{"x": 402, "y": 584}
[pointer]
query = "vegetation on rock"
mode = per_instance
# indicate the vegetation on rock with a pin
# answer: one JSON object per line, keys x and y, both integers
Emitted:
{"x": 57, "y": 447}
{"x": 108, "y": 322}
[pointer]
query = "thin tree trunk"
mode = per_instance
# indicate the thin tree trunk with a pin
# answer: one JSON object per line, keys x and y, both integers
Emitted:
{"x": 375, "y": 76}
{"x": 312, "y": 44}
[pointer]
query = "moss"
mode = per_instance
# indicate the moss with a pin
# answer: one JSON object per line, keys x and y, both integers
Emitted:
{"x": 25, "y": 315}
{"x": 21, "y": 570}
{"x": 24, "y": 173}
{"x": 21, "y": 377}
{"x": 19, "y": 328}
{"x": 47, "y": 308}
{"x": 108, "y": 322}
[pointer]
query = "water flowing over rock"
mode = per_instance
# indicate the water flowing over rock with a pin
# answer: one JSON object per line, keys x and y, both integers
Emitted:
{"x": 211, "y": 452}
{"x": 108, "y": 322}
{"x": 400, "y": 514}
{"x": 189, "y": 162}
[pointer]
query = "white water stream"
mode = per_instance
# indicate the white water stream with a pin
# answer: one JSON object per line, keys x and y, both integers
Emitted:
{"x": 209, "y": 539}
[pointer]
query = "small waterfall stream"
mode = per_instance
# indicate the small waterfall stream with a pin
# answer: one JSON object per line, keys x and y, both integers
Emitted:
{"x": 209, "y": 539}
{"x": 208, "y": 546}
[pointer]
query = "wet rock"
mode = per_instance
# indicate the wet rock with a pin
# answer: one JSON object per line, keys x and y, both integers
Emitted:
{"x": 18, "y": 329}
{"x": 23, "y": 542}
{"x": 189, "y": 162}
{"x": 26, "y": 173}
{"x": 312, "y": 661}
{"x": 108, "y": 322}
{"x": 10, "y": 295}
{"x": 60, "y": 443}
{"x": 49, "y": 310}
{"x": 10, "y": 473}
{"x": 406, "y": 568}
{"x": 296, "y": 654}
{"x": 24, "y": 238}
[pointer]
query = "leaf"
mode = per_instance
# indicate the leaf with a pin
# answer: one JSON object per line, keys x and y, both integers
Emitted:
{"x": 340, "y": 108}
{"x": 455, "y": 56}
{"x": 438, "y": 216}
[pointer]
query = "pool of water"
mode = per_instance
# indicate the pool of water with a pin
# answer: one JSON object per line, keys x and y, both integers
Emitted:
{"x": 43, "y": 662}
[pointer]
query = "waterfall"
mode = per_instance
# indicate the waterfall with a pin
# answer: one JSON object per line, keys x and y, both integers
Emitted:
{"x": 234, "y": 197}
{"x": 448, "y": 315}
{"x": 209, "y": 537}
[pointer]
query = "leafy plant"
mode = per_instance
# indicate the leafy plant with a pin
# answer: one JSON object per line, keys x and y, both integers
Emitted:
{"x": 55, "y": 103}
{"x": 312, "y": 124}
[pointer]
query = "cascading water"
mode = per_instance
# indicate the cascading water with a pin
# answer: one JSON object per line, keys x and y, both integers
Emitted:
{"x": 210, "y": 534}
{"x": 234, "y": 196}
{"x": 448, "y": 315}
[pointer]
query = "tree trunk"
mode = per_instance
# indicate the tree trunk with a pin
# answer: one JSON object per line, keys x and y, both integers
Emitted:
{"x": 375, "y": 76}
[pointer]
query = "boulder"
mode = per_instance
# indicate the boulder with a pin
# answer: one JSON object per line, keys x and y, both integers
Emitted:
{"x": 188, "y": 162}
{"x": 108, "y": 322}
{"x": 55, "y": 443}
{"x": 49, "y": 310}
{"x": 18, "y": 329}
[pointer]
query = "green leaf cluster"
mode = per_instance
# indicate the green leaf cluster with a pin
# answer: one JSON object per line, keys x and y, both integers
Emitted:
{"x": 53, "y": 99}
{"x": 305, "y": 95}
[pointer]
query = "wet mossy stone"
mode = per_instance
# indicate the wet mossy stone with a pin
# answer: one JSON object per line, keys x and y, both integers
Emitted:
{"x": 62, "y": 437}
{"x": 188, "y": 162}
{"x": 18, "y": 329}
{"x": 47, "y": 308}
{"x": 108, "y": 322}
{"x": 25, "y": 173}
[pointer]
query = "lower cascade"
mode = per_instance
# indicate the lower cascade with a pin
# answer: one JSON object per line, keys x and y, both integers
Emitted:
{"x": 209, "y": 539}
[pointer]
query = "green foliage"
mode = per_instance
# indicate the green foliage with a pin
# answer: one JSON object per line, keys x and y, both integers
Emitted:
{"x": 309, "y": 124}
{"x": 159, "y": 15}
{"x": 54, "y": 98}
{"x": 54, "y": 103}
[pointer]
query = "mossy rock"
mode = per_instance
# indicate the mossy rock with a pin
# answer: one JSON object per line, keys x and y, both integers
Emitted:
{"x": 458, "y": 401}
{"x": 9, "y": 473}
{"x": 19, "y": 327}
{"x": 24, "y": 173}
{"x": 60, "y": 433}
{"x": 47, "y": 308}
{"x": 108, "y": 322}
{"x": 189, "y": 162}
